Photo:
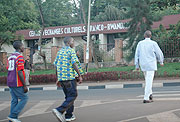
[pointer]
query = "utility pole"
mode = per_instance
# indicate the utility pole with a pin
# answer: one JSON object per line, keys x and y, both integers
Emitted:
{"x": 88, "y": 36}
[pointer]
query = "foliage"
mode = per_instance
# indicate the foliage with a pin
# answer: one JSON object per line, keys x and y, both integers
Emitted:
{"x": 161, "y": 35}
{"x": 42, "y": 79}
{"x": 111, "y": 13}
{"x": 168, "y": 40}
{"x": 141, "y": 21}
{"x": 169, "y": 68}
{"x": 111, "y": 73}
{"x": 100, "y": 76}
{"x": 98, "y": 8}
{"x": 3, "y": 80}
{"x": 101, "y": 6}
{"x": 163, "y": 4}
{"x": 115, "y": 73}
{"x": 158, "y": 14}
{"x": 57, "y": 12}
{"x": 15, "y": 15}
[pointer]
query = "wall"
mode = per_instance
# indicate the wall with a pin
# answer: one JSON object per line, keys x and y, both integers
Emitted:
{"x": 7, "y": 48}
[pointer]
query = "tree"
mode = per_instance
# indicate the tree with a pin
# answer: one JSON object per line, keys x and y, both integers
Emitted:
{"x": 162, "y": 35}
{"x": 163, "y": 4}
{"x": 141, "y": 20}
{"x": 58, "y": 13}
{"x": 100, "y": 6}
{"x": 111, "y": 13}
{"x": 168, "y": 40}
{"x": 42, "y": 54}
{"x": 81, "y": 7}
{"x": 78, "y": 12}
{"x": 15, "y": 15}
{"x": 160, "y": 8}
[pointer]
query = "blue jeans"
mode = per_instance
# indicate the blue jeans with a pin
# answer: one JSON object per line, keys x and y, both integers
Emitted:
{"x": 70, "y": 91}
{"x": 17, "y": 93}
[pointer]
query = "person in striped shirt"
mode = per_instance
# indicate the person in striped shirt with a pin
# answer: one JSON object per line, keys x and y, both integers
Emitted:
{"x": 16, "y": 82}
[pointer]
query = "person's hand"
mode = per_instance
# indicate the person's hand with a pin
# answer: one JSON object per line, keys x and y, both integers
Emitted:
{"x": 58, "y": 84}
{"x": 80, "y": 79}
{"x": 162, "y": 65}
{"x": 25, "y": 89}
{"x": 137, "y": 69}
{"x": 77, "y": 53}
{"x": 32, "y": 70}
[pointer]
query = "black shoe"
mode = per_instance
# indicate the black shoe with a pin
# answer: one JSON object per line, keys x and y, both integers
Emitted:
{"x": 147, "y": 101}
{"x": 151, "y": 97}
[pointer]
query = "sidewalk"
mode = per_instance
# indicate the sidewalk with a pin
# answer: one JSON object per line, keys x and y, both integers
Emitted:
{"x": 106, "y": 85}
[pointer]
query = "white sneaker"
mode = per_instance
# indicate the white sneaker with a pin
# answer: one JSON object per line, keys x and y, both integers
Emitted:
{"x": 58, "y": 115}
{"x": 13, "y": 120}
{"x": 71, "y": 119}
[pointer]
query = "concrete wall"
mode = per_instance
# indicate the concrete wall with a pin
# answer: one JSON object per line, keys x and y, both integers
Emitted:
{"x": 7, "y": 48}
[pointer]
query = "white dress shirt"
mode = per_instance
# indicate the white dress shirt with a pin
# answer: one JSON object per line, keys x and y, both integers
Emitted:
{"x": 147, "y": 54}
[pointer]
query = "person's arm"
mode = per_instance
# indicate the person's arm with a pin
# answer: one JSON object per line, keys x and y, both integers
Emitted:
{"x": 55, "y": 64}
{"x": 57, "y": 82}
{"x": 77, "y": 53}
{"x": 77, "y": 70}
{"x": 20, "y": 73}
{"x": 20, "y": 68}
{"x": 136, "y": 59}
{"x": 159, "y": 54}
{"x": 74, "y": 61}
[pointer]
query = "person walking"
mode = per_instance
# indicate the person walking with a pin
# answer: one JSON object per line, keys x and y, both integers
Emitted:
{"x": 146, "y": 56}
{"x": 67, "y": 69}
{"x": 27, "y": 68}
{"x": 16, "y": 82}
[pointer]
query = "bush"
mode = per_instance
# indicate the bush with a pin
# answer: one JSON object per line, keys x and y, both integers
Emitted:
{"x": 3, "y": 80}
{"x": 95, "y": 76}
{"x": 100, "y": 76}
{"x": 38, "y": 79}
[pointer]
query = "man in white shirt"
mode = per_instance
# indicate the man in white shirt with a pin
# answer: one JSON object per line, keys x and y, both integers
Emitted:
{"x": 146, "y": 56}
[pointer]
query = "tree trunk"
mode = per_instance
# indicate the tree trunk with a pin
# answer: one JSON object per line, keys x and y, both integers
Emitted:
{"x": 78, "y": 13}
{"x": 83, "y": 12}
{"x": 42, "y": 54}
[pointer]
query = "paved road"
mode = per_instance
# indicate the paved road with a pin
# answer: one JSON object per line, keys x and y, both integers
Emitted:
{"x": 103, "y": 105}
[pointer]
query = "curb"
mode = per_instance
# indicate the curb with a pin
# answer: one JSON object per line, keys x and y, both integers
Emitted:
{"x": 137, "y": 85}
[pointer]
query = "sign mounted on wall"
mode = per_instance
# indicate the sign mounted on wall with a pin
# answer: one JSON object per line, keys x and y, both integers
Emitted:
{"x": 75, "y": 30}
{"x": 107, "y": 27}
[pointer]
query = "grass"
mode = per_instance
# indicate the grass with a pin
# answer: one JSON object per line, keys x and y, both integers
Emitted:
{"x": 40, "y": 72}
{"x": 3, "y": 73}
{"x": 170, "y": 68}
{"x": 106, "y": 69}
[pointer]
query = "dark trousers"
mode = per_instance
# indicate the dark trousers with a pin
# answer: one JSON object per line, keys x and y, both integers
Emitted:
{"x": 70, "y": 91}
